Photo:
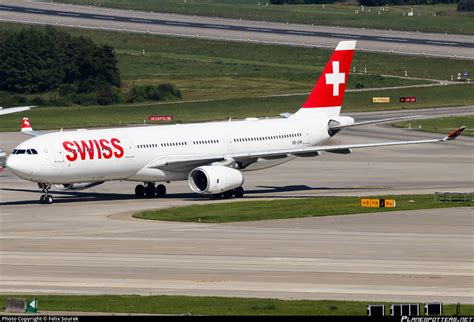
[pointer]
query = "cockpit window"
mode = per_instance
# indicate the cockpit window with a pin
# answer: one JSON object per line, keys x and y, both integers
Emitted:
{"x": 28, "y": 151}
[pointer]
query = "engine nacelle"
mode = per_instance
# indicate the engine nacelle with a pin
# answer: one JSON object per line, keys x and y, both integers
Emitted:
{"x": 77, "y": 186}
{"x": 214, "y": 179}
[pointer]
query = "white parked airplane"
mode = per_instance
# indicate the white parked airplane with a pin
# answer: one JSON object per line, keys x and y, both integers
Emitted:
{"x": 211, "y": 156}
{"x": 16, "y": 109}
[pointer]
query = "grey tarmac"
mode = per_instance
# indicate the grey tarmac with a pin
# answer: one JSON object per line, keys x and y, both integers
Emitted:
{"x": 88, "y": 243}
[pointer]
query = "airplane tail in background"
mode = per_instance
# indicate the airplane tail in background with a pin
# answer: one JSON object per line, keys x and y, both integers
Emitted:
{"x": 26, "y": 125}
{"x": 327, "y": 96}
{"x": 27, "y": 129}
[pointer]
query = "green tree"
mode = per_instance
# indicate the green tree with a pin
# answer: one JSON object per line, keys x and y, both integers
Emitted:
{"x": 35, "y": 60}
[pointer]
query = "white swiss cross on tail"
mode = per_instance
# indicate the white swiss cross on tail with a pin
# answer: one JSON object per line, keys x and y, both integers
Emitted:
{"x": 26, "y": 125}
{"x": 335, "y": 78}
{"x": 327, "y": 96}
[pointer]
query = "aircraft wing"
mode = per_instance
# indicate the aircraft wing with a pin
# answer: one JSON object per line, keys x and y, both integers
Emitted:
{"x": 4, "y": 111}
{"x": 185, "y": 163}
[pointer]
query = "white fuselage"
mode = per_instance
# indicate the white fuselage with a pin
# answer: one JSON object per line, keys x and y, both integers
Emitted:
{"x": 125, "y": 153}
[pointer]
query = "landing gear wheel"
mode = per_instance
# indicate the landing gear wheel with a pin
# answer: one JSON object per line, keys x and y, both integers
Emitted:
{"x": 228, "y": 194}
{"x": 45, "y": 198}
{"x": 140, "y": 191}
{"x": 150, "y": 190}
{"x": 160, "y": 190}
{"x": 239, "y": 192}
{"x": 218, "y": 196}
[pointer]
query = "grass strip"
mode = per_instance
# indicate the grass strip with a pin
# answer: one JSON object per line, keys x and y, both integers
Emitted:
{"x": 290, "y": 208}
{"x": 198, "y": 305}
{"x": 441, "y": 125}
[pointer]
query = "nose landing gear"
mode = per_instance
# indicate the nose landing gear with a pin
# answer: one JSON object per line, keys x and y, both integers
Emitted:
{"x": 46, "y": 198}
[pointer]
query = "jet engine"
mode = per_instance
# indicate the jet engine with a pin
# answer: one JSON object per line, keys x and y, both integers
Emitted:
{"x": 214, "y": 179}
{"x": 77, "y": 186}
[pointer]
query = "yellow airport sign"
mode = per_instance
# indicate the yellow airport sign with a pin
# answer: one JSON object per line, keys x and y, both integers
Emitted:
{"x": 380, "y": 99}
{"x": 365, "y": 202}
{"x": 377, "y": 203}
{"x": 389, "y": 203}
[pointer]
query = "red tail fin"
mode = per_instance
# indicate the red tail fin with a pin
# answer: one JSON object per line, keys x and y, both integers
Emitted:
{"x": 26, "y": 125}
{"x": 331, "y": 86}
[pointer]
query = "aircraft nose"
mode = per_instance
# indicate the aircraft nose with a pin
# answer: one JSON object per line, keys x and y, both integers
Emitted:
{"x": 16, "y": 166}
{"x": 12, "y": 163}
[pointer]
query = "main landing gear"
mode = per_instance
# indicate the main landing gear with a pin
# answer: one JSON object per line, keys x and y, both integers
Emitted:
{"x": 46, "y": 198}
{"x": 236, "y": 193}
{"x": 150, "y": 190}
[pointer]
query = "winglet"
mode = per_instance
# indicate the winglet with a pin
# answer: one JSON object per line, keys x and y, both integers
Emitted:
{"x": 26, "y": 125}
{"x": 454, "y": 134}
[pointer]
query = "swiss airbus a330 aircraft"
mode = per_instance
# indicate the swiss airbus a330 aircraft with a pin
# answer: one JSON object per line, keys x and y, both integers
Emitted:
{"x": 211, "y": 156}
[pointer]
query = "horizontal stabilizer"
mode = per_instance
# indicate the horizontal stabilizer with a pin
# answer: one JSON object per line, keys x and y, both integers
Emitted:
{"x": 286, "y": 115}
{"x": 341, "y": 126}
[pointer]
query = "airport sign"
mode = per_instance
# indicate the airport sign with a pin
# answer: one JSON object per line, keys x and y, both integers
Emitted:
{"x": 409, "y": 99}
{"x": 380, "y": 99}
{"x": 160, "y": 118}
{"x": 377, "y": 203}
